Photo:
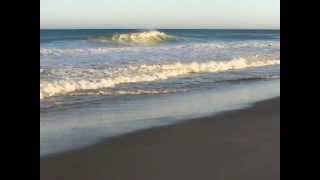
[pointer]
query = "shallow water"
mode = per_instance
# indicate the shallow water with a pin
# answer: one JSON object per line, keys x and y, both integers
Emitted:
{"x": 96, "y": 84}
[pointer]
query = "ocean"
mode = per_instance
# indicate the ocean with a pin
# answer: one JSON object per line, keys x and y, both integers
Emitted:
{"x": 96, "y": 84}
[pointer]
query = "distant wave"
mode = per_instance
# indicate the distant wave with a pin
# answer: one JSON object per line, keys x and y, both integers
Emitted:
{"x": 147, "y": 37}
{"x": 144, "y": 73}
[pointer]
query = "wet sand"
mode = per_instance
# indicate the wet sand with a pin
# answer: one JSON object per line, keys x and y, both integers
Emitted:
{"x": 240, "y": 144}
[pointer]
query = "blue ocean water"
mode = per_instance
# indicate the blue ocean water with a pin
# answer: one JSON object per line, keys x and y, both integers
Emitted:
{"x": 96, "y": 83}
{"x": 47, "y": 36}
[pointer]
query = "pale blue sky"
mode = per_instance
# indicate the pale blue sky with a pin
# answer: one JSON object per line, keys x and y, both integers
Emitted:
{"x": 160, "y": 14}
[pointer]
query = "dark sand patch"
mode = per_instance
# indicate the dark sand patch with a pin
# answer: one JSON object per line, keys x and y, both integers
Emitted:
{"x": 236, "y": 145}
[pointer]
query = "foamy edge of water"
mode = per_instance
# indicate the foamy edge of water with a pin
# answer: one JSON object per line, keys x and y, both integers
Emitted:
{"x": 147, "y": 73}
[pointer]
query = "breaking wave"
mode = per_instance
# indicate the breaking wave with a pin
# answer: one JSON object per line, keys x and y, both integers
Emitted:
{"x": 143, "y": 73}
{"x": 147, "y": 37}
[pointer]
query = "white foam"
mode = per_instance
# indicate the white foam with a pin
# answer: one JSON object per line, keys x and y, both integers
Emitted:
{"x": 130, "y": 92}
{"x": 125, "y": 49}
{"x": 147, "y": 37}
{"x": 99, "y": 79}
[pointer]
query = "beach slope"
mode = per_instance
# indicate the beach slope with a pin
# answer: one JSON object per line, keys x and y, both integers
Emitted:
{"x": 235, "y": 145}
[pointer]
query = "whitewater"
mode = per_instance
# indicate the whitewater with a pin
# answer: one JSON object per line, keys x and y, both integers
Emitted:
{"x": 99, "y": 62}
{"x": 143, "y": 73}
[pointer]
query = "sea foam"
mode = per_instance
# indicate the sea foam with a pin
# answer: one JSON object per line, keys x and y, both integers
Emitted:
{"x": 142, "y": 73}
{"x": 151, "y": 49}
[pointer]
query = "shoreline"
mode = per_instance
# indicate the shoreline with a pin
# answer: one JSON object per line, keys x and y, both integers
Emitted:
{"x": 230, "y": 145}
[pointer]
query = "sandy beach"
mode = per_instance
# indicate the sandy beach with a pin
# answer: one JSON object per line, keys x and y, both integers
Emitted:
{"x": 240, "y": 144}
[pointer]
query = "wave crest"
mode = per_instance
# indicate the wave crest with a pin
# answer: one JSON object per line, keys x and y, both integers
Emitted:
{"x": 147, "y": 37}
{"x": 146, "y": 73}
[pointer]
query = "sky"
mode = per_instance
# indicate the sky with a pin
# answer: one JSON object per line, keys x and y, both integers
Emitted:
{"x": 155, "y": 14}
